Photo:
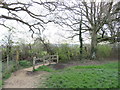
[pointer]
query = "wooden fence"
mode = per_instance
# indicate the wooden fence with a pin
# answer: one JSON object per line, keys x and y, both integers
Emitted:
{"x": 46, "y": 59}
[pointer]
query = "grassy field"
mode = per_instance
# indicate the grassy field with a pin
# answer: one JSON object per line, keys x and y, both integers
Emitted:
{"x": 92, "y": 76}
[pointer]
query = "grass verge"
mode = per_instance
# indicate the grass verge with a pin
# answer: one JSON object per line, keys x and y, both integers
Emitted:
{"x": 0, "y": 83}
{"x": 44, "y": 68}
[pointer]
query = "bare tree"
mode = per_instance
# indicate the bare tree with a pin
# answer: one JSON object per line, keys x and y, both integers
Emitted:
{"x": 45, "y": 44}
{"x": 95, "y": 17}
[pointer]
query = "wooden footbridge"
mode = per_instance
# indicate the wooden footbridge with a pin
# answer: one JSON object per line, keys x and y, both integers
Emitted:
{"x": 46, "y": 60}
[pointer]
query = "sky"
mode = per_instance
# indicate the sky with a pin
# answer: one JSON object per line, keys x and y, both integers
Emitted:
{"x": 53, "y": 33}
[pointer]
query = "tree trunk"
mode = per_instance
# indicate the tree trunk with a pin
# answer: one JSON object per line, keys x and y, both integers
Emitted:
{"x": 80, "y": 40}
{"x": 46, "y": 46}
{"x": 93, "y": 45}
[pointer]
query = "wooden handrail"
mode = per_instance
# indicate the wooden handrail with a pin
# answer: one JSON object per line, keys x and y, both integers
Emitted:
{"x": 48, "y": 58}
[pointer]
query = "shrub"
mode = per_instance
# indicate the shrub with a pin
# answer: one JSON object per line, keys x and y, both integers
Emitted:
{"x": 6, "y": 75}
{"x": 67, "y": 52}
{"x": 6, "y": 72}
{"x": 25, "y": 63}
{"x": 103, "y": 51}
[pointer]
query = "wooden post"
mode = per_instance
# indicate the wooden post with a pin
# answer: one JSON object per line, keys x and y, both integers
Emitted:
{"x": 17, "y": 58}
{"x": 43, "y": 62}
{"x": 57, "y": 58}
{"x": 49, "y": 59}
{"x": 7, "y": 62}
{"x": 34, "y": 58}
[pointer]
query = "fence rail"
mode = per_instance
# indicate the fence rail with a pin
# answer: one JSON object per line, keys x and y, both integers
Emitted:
{"x": 46, "y": 59}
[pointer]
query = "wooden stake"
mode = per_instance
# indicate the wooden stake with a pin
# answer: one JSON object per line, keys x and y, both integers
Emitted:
{"x": 17, "y": 58}
{"x": 34, "y": 58}
{"x": 7, "y": 62}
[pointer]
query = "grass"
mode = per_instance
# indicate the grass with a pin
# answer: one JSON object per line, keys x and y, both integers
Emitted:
{"x": 44, "y": 68}
{"x": 6, "y": 76}
{"x": 0, "y": 83}
{"x": 93, "y": 76}
{"x": 0, "y": 74}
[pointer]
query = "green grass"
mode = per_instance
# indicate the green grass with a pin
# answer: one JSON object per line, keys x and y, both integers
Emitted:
{"x": 93, "y": 76}
{"x": 6, "y": 76}
{"x": 0, "y": 74}
{"x": 0, "y": 83}
{"x": 44, "y": 68}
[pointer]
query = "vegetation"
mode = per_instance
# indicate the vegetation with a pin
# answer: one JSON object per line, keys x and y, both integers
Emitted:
{"x": 0, "y": 75}
{"x": 7, "y": 70}
{"x": 67, "y": 52}
{"x": 0, "y": 83}
{"x": 44, "y": 68}
{"x": 25, "y": 63}
{"x": 7, "y": 75}
{"x": 104, "y": 51}
{"x": 98, "y": 20}
{"x": 93, "y": 76}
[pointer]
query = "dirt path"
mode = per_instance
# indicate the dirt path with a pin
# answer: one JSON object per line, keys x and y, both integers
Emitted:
{"x": 25, "y": 78}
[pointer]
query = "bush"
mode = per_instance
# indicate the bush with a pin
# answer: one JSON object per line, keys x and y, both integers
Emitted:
{"x": 67, "y": 52}
{"x": 103, "y": 51}
{"x": 25, "y": 63}
{"x": 6, "y": 72}
{"x": 6, "y": 75}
